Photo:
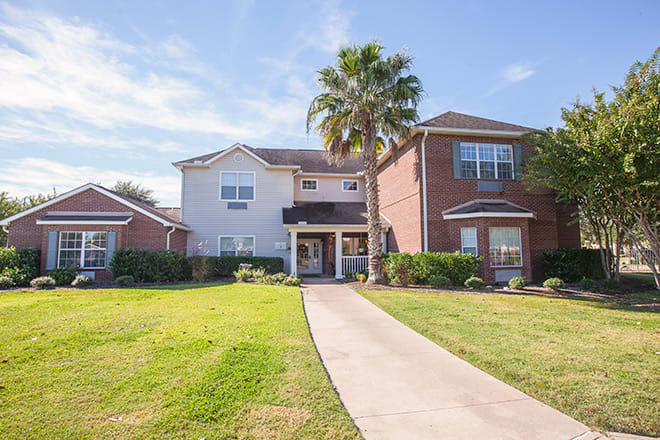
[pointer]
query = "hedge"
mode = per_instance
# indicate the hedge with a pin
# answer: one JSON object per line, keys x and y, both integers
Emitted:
{"x": 150, "y": 266}
{"x": 217, "y": 267}
{"x": 422, "y": 267}
{"x": 26, "y": 261}
{"x": 571, "y": 265}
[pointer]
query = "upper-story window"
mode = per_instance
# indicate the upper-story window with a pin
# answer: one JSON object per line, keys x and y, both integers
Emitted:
{"x": 309, "y": 184}
{"x": 349, "y": 185}
{"x": 237, "y": 185}
{"x": 486, "y": 161}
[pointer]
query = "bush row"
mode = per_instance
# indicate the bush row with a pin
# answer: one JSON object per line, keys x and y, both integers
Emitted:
{"x": 431, "y": 267}
{"x": 20, "y": 265}
{"x": 150, "y": 266}
{"x": 571, "y": 265}
{"x": 206, "y": 268}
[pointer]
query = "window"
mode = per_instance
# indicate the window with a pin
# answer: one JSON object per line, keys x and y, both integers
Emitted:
{"x": 504, "y": 246}
{"x": 349, "y": 185}
{"x": 83, "y": 249}
{"x": 486, "y": 161}
{"x": 236, "y": 246}
{"x": 309, "y": 184}
{"x": 352, "y": 246}
{"x": 237, "y": 186}
{"x": 469, "y": 241}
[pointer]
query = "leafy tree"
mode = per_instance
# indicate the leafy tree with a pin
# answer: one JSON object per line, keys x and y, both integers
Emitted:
{"x": 367, "y": 102}
{"x": 13, "y": 205}
{"x": 136, "y": 192}
{"x": 607, "y": 158}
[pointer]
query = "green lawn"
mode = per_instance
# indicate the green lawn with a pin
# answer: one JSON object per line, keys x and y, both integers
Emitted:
{"x": 188, "y": 362}
{"x": 595, "y": 361}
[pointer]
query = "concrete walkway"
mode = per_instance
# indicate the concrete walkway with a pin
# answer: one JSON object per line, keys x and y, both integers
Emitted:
{"x": 396, "y": 384}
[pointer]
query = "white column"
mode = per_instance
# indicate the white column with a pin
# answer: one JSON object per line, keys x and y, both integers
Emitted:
{"x": 383, "y": 240}
{"x": 338, "y": 251}
{"x": 294, "y": 252}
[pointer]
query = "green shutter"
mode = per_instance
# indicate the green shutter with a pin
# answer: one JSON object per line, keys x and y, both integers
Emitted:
{"x": 456, "y": 158}
{"x": 111, "y": 245}
{"x": 518, "y": 161}
{"x": 51, "y": 250}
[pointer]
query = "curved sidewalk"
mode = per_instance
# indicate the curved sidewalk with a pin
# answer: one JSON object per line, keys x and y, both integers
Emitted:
{"x": 396, "y": 384}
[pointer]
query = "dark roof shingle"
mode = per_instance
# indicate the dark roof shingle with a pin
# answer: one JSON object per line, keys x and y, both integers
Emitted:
{"x": 461, "y": 120}
{"x": 339, "y": 213}
{"x": 475, "y": 206}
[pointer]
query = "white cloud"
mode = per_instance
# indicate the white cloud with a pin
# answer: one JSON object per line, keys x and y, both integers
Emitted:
{"x": 511, "y": 74}
{"x": 34, "y": 175}
{"x": 331, "y": 32}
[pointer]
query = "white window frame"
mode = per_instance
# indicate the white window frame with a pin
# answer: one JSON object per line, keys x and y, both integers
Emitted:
{"x": 357, "y": 186}
{"x": 254, "y": 186}
{"x": 316, "y": 186}
{"x": 476, "y": 240}
{"x": 478, "y": 160}
{"x": 496, "y": 266}
{"x": 82, "y": 250}
{"x": 254, "y": 243}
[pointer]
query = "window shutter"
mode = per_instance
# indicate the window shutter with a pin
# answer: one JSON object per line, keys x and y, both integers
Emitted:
{"x": 517, "y": 160}
{"x": 51, "y": 250}
{"x": 456, "y": 158}
{"x": 110, "y": 247}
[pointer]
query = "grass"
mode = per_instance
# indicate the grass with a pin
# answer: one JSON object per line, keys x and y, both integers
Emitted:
{"x": 216, "y": 362}
{"x": 596, "y": 361}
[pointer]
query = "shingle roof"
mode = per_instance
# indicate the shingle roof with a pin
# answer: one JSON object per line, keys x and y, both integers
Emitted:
{"x": 339, "y": 213}
{"x": 310, "y": 161}
{"x": 87, "y": 216}
{"x": 461, "y": 120}
{"x": 497, "y": 206}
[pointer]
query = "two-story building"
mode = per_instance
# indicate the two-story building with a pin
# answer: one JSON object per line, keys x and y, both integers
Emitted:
{"x": 456, "y": 186}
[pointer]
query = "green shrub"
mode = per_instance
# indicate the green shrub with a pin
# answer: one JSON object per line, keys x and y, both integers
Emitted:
{"x": 281, "y": 279}
{"x": 18, "y": 276}
{"x": 28, "y": 260}
{"x": 243, "y": 275}
{"x": 572, "y": 265}
{"x": 82, "y": 281}
{"x": 439, "y": 281}
{"x": 43, "y": 283}
{"x": 63, "y": 276}
{"x": 400, "y": 268}
{"x": 292, "y": 280}
{"x": 6, "y": 283}
{"x": 124, "y": 280}
{"x": 588, "y": 284}
{"x": 611, "y": 284}
{"x": 151, "y": 266}
{"x": 362, "y": 278}
{"x": 455, "y": 266}
{"x": 474, "y": 282}
{"x": 218, "y": 267}
{"x": 517, "y": 283}
{"x": 553, "y": 283}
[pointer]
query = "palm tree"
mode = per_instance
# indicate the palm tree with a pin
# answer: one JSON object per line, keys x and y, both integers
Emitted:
{"x": 366, "y": 104}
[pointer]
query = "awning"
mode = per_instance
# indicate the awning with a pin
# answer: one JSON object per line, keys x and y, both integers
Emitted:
{"x": 487, "y": 208}
{"x": 85, "y": 218}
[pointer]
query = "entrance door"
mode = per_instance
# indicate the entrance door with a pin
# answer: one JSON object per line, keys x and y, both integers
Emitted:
{"x": 309, "y": 256}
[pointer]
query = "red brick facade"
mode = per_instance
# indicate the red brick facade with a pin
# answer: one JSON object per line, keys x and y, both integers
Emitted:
{"x": 142, "y": 232}
{"x": 401, "y": 201}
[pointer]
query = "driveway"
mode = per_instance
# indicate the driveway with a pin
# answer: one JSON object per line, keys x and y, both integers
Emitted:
{"x": 396, "y": 384}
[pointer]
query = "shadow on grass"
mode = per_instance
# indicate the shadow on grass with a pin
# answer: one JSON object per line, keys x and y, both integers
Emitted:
{"x": 186, "y": 286}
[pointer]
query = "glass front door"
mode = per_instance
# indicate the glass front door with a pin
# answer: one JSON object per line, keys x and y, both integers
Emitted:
{"x": 309, "y": 258}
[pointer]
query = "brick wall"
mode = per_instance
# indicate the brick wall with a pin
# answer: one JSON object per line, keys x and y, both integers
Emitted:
{"x": 142, "y": 232}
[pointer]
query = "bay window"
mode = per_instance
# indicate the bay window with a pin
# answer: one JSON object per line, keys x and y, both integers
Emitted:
{"x": 504, "y": 246}
{"x": 83, "y": 249}
{"x": 486, "y": 161}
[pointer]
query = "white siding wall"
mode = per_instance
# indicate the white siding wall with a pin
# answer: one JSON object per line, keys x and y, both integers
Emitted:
{"x": 329, "y": 190}
{"x": 209, "y": 217}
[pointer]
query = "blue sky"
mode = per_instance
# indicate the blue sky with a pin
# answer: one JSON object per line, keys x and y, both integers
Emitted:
{"x": 100, "y": 91}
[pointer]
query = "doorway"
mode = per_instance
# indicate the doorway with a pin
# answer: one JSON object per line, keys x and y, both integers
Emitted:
{"x": 309, "y": 256}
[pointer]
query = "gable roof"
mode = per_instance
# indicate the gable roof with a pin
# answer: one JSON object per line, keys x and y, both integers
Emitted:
{"x": 140, "y": 207}
{"x": 306, "y": 160}
{"x": 462, "y": 121}
{"x": 487, "y": 208}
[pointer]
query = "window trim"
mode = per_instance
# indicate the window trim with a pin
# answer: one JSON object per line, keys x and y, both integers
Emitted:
{"x": 254, "y": 243}
{"x": 476, "y": 240}
{"x": 82, "y": 250}
{"x": 254, "y": 186}
{"x": 302, "y": 188}
{"x": 495, "y": 161}
{"x": 357, "y": 185}
{"x": 519, "y": 241}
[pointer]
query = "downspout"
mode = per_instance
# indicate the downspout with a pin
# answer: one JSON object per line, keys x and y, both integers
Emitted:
{"x": 168, "y": 237}
{"x": 424, "y": 203}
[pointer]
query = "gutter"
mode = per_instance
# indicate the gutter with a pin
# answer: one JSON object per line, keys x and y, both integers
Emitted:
{"x": 424, "y": 203}
{"x": 168, "y": 237}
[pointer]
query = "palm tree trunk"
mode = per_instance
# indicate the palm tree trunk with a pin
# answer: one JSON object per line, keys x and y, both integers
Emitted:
{"x": 374, "y": 227}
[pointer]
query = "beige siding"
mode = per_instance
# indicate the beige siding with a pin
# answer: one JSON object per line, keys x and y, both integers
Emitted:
{"x": 209, "y": 217}
{"x": 329, "y": 190}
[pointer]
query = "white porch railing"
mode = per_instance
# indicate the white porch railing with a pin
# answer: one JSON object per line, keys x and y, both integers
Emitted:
{"x": 354, "y": 263}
